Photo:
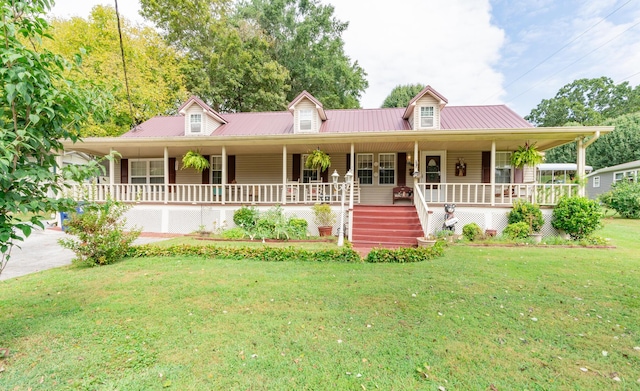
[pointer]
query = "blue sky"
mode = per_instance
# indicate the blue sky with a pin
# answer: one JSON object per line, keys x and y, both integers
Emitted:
{"x": 477, "y": 51}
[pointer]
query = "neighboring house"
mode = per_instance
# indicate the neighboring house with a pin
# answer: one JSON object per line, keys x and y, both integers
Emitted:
{"x": 600, "y": 181}
{"x": 444, "y": 153}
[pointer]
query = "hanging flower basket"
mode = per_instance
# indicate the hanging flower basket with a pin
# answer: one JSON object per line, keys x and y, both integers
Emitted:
{"x": 195, "y": 160}
{"x": 318, "y": 159}
{"x": 526, "y": 155}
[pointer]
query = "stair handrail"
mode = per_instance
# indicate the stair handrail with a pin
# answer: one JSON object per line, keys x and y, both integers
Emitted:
{"x": 423, "y": 210}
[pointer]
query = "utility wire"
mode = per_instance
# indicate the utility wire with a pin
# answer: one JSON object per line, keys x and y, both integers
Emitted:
{"x": 559, "y": 50}
{"x": 562, "y": 69}
{"x": 124, "y": 67}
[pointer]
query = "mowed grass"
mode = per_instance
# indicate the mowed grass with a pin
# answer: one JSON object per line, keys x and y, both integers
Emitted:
{"x": 479, "y": 318}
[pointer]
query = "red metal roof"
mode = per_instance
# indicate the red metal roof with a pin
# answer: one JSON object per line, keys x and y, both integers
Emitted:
{"x": 340, "y": 121}
{"x": 481, "y": 117}
{"x": 158, "y": 127}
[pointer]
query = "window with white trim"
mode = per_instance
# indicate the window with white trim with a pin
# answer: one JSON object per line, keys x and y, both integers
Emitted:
{"x": 308, "y": 174}
{"x": 304, "y": 118}
{"x": 216, "y": 170}
{"x": 596, "y": 181}
{"x": 146, "y": 171}
{"x": 387, "y": 168}
{"x": 195, "y": 123}
{"x": 364, "y": 164}
{"x": 631, "y": 176}
{"x": 426, "y": 117}
{"x": 503, "y": 167}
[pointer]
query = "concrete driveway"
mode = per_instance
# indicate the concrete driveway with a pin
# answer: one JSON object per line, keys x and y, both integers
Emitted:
{"x": 41, "y": 251}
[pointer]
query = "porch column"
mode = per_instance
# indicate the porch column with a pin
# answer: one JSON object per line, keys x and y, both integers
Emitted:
{"x": 353, "y": 167}
{"x": 580, "y": 164}
{"x": 416, "y": 163}
{"x": 284, "y": 175}
{"x": 112, "y": 173}
{"x": 225, "y": 176}
{"x": 166, "y": 175}
{"x": 492, "y": 174}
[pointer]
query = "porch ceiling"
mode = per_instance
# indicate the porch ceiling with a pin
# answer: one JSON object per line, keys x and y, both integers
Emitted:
{"x": 392, "y": 141}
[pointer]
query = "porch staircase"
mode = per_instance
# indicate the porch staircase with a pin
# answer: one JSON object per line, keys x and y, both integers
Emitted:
{"x": 386, "y": 226}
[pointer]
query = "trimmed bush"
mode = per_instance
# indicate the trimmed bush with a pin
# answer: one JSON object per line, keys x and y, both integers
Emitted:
{"x": 265, "y": 253}
{"x": 405, "y": 254}
{"x": 525, "y": 211}
{"x": 298, "y": 228}
{"x": 472, "y": 232}
{"x": 624, "y": 198}
{"x": 577, "y": 216}
{"x": 100, "y": 238}
{"x": 518, "y": 230}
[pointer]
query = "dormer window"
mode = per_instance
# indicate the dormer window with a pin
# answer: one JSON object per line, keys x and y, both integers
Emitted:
{"x": 195, "y": 121}
{"x": 305, "y": 119}
{"x": 426, "y": 117}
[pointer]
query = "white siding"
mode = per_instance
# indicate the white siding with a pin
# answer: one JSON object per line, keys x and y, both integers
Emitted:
{"x": 473, "y": 160}
{"x": 427, "y": 100}
{"x": 188, "y": 176}
{"x": 209, "y": 124}
{"x": 306, "y": 104}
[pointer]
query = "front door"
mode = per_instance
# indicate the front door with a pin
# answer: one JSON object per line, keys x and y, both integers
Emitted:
{"x": 432, "y": 171}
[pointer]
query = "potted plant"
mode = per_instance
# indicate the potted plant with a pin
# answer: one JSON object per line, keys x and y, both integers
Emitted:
{"x": 426, "y": 241}
{"x": 318, "y": 160}
{"x": 526, "y": 155}
{"x": 193, "y": 159}
{"x": 325, "y": 218}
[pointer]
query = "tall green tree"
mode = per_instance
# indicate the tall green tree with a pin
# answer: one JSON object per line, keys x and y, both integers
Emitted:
{"x": 40, "y": 108}
{"x": 620, "y": 146}
{"x": 307, "y": 41}
{"x": 402, "y": 94}
{"x": 228, "y": 63}
{"x": 584, "y": 102}
{"x": 153, "y": 68}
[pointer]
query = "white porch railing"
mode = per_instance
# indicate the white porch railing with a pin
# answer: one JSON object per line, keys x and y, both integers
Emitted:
{"x": 423, "y": 211}
{"x": 502, "y": 194}
{"x": 294, "y": 193}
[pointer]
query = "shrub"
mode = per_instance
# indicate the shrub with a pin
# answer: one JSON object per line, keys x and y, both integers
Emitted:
{"x": 265, "y": 253}
{"x": 233, "y": 233}
{"x": 472, "y": 232}
{"x": 100, "y": 235}
{"x": 577, "y": 216}
{"x": 405, "y": 254}
{"x": 323, "y": 215}
{"x": 518, "y": 230}
{"x": 624, "y": 198}
{"x": 246, "y": 217}
{"x": 525, "y": 211}
{"x": 298, "y": 228}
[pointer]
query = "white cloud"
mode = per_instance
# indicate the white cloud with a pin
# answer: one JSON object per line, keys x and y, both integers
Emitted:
{"x": 450, "y": 45}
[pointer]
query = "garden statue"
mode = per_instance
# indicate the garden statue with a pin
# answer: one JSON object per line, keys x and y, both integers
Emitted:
{"x": 450, "y": 219}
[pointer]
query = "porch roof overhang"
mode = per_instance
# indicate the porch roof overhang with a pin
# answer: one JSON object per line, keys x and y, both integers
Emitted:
{"x": 392, "y": 140}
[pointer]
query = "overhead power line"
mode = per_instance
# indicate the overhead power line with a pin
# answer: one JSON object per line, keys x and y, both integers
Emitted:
{"x": 562, "y": 69}
{"x": 124, "y": 67}
{"x": 560, "y": 49}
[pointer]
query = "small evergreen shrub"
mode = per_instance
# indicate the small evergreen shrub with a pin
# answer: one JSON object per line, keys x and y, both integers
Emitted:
{"x": 577, "y": 216}
{"x": 525, "y": 211}
{"x": 518, "y": 230}
{"x": 472, "y": 232}
{"x": 100, "y": 238}
{"x": 246, "y": 217}
{"x": 624, "y": 198}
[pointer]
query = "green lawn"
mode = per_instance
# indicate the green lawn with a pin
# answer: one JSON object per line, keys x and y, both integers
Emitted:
{"x": 480, "y": 318}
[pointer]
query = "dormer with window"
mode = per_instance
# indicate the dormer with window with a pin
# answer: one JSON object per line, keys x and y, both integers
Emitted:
{"x": 199, "y": 118}
{"x": 308, "y": 113}
{"x": 423, "y": 111}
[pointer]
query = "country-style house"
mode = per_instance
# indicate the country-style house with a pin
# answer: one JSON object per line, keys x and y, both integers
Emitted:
{"x": 437, "y": 152}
